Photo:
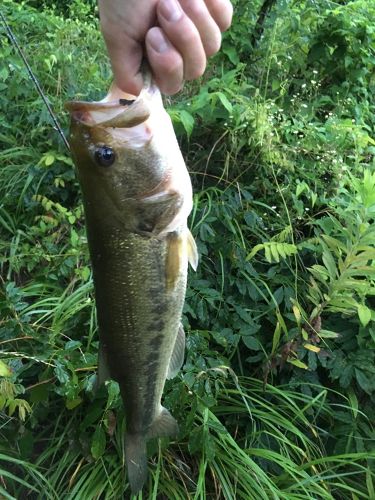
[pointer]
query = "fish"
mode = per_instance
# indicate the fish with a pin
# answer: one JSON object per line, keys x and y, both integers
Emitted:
{"x": 137, "y": 197}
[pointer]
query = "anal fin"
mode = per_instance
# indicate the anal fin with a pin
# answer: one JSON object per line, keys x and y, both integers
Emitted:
{"x": 164, "y": 425}
{"x": 178, "y": 354}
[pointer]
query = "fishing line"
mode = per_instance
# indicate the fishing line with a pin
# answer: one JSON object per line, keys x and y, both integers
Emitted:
{"x": 15, "y": 44}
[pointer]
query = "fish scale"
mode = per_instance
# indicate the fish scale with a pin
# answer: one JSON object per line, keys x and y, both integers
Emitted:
{"x": 133, "y": 304}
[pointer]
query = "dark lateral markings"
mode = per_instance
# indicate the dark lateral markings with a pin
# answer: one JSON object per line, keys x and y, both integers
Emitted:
{"x": 156, "y": 293}
{"x": 157, "y": 326}
{"x": 148, "y": 407}
{"x": 155, "y": 342}
{"x": 160, "y": 308}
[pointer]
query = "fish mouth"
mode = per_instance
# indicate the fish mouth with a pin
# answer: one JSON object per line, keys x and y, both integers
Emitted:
{"x": 118, "y": 109}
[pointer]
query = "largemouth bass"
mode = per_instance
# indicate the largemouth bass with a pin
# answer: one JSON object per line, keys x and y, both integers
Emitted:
{"x": 137, "y": 196}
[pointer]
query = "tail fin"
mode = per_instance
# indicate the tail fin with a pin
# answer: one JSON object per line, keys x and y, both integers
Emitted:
{"x": 136, "y": 461}
{"x": 135, "y": 448}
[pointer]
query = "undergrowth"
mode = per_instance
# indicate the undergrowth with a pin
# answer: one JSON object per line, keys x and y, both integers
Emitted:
{"x": 276, "y": 395}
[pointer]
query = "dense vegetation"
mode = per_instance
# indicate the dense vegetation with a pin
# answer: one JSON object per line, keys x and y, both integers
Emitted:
{"x": 276, "y": 397}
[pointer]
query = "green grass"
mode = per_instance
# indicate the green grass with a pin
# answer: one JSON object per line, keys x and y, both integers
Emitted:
{"x": 269, "y": 138}
{"x": 275, "y": 449}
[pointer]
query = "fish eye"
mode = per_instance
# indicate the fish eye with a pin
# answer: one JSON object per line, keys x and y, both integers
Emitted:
{"x": 104, "y": 156}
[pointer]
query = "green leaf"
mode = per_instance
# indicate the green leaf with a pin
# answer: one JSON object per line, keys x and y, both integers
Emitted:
{"x": 281, "y": 250}
{"x": 274, "y": 252}
{"x": 255, "y": 250}
{"x": 370, "y": 483}
{"x": 85, "y": 273}
{"x": 298, "y": 363}
{"x": 232, "y": 55}
{"x": 275, "y": 84}
{"x": 98, "y": 442}
{"x": 225, "y": 102}
{"x": 267, "y": 253}
{"x": 251, "y": 342}
{"x": 187, "y": 121}
{"x": 49, "y": 159}
{"x": 5, "y": 371}
{"x": 328, "y": 334}
{"x": 276, "y": 338}
{"x": 329, "y": 263}
{"x": 311, "y": 347}
{"x": 61, "y": 373}
{"x": 72, "y": 403}
{"x": 364, "y": 314}
{"x": 363, "y": 381}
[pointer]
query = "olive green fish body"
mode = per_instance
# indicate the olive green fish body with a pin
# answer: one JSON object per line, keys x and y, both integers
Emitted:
{"x": 137, "y": 197}
{"x": 138, "y": 318}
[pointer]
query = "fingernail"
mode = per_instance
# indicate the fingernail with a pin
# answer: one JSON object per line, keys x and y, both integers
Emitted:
{"x": 157, "y": 40}
{"x": 171, "y": 10}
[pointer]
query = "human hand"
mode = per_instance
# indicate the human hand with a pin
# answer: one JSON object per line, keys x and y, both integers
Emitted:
{"x": 176, "y": 36}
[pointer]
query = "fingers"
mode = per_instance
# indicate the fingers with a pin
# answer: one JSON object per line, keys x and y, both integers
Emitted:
{"x": 221, "y": 11}
{"x": 165, "y": 61}
{"x": 208, "y": 29}
{"x": 189, "y": 31}
{"x": 178, "y": 36}
{"x": 125, "y": 61}
{"x": 184, "y": 36}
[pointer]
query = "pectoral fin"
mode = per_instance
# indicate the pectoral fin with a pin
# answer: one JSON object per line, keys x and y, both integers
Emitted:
{"x": 175, "y": 251}
{"x": 180, "y": 246}
{"x": 192, "y": 251}
{"x": 178, "y": 354}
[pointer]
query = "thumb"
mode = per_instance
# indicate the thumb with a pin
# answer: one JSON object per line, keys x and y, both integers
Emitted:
{"x": 126, "y": 58}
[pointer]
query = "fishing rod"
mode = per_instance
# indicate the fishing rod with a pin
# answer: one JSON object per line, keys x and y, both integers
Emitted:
{"x": 15, "y": 44}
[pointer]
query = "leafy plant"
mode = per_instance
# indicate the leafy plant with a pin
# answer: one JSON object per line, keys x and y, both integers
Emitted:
{"x": 276, "y": 395}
